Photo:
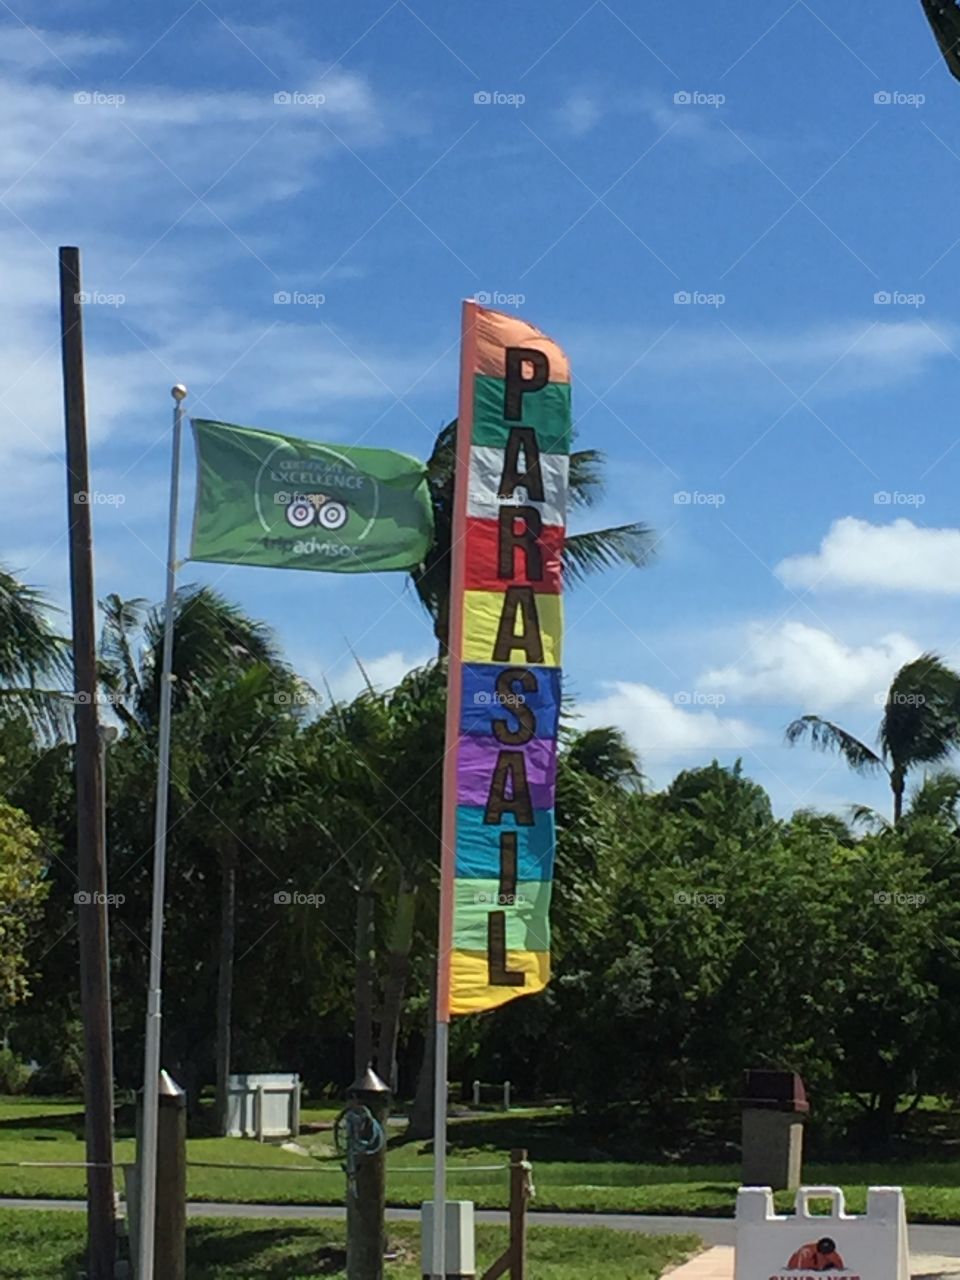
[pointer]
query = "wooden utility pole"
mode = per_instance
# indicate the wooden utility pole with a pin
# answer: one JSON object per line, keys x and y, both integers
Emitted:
{"x": 91, "y": 861}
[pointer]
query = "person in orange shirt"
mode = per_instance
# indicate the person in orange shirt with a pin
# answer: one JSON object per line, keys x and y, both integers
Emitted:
{"x": 821, "y": 1256}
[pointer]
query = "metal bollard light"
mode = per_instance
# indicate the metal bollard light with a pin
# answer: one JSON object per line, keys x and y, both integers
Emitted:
{"x": 361, "y": 1137}
{"x": 170, "y": 1233}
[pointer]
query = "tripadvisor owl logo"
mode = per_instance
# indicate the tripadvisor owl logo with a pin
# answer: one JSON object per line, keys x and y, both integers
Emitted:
{"x": 322, "y": 493}
{"x": 315, "y": 508}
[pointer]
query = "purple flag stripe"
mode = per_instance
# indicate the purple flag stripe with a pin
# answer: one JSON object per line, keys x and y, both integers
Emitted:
{"x": 477, "y": 762}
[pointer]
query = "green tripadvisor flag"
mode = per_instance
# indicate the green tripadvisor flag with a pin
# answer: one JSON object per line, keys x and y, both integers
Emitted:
{"x": 284, "y": 503}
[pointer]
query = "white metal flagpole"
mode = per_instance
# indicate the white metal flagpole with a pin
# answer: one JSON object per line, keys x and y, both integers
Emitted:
{"x": 151, "y": 1057}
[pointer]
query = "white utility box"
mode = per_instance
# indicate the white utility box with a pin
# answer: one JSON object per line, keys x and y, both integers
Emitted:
{"x": 460, "y": 1245}
{"x": 814, "y": 1246}
{"x": 265, "y": 1105}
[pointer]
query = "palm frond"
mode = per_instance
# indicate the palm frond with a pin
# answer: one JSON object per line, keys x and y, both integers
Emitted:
{"x": 49, "y": 712}
{"x": 921, "y": 718}
{"x": 586, "y": 477}
{"x": 120, "y": 635}
{"x": 30, "y": 650}
{"x": 211, "y": 635}
{"x": 938, "y": 796}
{"x": 868, "y": 819}
{"x": 944, "y": 19}
{"x": 625, "y": 544}
{"x": 824, "y": 735}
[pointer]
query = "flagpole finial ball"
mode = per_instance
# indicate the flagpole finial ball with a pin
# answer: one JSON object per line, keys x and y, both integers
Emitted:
{"x": 179, "y": 392}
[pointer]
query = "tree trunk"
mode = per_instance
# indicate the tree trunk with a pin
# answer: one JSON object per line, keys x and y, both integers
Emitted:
{"x": 228, "y": 928}
{"x": 421, "y": 1117}
{"x": 897, "y": 783}
{"x": 363, "y": 983}
{"x": 398, "y": 966}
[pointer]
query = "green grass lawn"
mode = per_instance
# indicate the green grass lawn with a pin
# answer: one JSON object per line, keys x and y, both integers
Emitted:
{"x": 48, "y": 1246}
{"x": 568, "y": 1174}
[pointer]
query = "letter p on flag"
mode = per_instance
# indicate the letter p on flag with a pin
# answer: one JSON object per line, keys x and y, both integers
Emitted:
{"x": 520, "y": 360}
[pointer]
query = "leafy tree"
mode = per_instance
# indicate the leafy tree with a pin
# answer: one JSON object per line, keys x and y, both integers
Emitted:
{"x": 920, "y": 725}
{"x": 605, "y": 753}
{"x": 22, "y": 891}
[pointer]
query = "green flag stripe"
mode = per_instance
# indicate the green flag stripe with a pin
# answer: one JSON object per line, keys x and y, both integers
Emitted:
{"x": 547, "y": 411}
{"x": 527, "y": 918}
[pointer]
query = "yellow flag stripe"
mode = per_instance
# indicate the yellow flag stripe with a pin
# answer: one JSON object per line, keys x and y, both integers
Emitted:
{"x": 481, "y": 622}
{"x": 471, "y": 991}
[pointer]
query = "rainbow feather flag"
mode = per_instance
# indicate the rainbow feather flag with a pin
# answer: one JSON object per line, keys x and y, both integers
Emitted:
{"x": 506, "y": 634}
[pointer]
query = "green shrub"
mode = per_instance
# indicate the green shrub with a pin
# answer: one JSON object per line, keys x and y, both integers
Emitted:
{"x": 14, "y": 1072}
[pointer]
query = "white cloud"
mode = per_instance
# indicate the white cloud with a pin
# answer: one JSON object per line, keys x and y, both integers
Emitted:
{"x": 579, "y": 114}
{"x": 900, "y": 556}
{"x": 28, "y": 48}
{"x": 798, "y": 664}
{"x": 662, "y": 727}
{"x": 844, "y": 357}
{"x": 345, "y": 679}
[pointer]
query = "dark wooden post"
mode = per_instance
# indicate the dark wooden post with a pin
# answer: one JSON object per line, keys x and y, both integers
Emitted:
{"x": 367, "y": 1197}
{"x": 170, "y": 1250}
{"x": 91, "y": 868}
{"x": 513, "y": 1260}
{"x": 519, "y": 1192}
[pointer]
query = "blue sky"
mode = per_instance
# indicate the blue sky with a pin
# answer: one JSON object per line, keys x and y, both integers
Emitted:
{"x": 789, "y": 430}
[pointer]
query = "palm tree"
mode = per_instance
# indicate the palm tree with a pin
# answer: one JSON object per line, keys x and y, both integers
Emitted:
{"x": 234, "y": 703}
{"x": 211, "y": 635}
{"x": 584, "y": 553}
{"x": 34, "y": 659}
{"x": 237, "y": 785}
{"x": 920, "y": 725}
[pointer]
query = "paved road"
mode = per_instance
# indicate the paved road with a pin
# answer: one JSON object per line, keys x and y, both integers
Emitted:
{"x": 944, "y": 1241}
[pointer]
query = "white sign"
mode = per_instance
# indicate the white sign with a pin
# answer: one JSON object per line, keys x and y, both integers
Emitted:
{"x": 805, "y": 1246}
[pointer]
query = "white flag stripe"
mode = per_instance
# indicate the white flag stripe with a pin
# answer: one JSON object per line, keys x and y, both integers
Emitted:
{"x": 486, "y": 468}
